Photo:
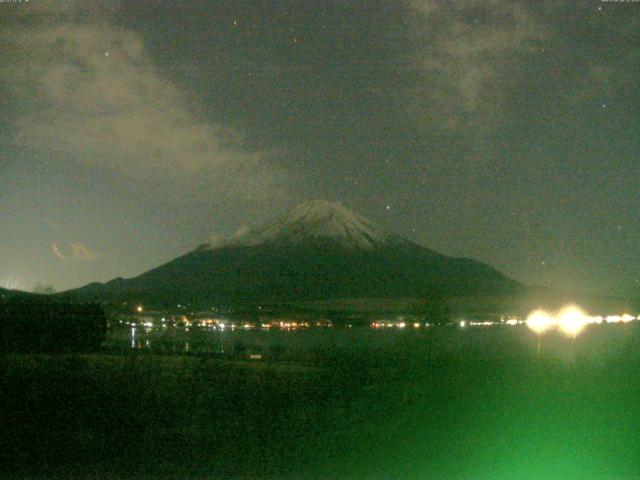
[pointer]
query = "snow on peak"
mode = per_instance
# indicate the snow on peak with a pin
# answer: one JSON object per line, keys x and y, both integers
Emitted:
{"x": 316, "y": 219}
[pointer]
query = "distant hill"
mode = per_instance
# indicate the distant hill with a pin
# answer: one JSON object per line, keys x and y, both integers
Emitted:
{"x": 320, "y": 250}
{"x": 5, "y": 294}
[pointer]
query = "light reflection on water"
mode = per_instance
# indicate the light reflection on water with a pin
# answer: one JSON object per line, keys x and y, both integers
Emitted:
{"x": 244, "y": 341}
{"x": 597, "y": 340}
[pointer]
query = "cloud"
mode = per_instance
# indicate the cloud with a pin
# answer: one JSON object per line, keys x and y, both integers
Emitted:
{"x": 82, "y": 252}
{"x": 219, "y": 241}
{"x": 466, "y": 52}
{"x": 79, "y": 252}
{"x": 56, "y": 251}
{"x": 55, "y": 10}
{"x": 84, "y": 91}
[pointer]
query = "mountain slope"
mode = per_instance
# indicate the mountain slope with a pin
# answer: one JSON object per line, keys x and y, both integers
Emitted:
{"x": 320, "y": 250}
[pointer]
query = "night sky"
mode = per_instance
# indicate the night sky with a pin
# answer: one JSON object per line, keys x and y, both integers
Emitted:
{"x": 503, "y": 130}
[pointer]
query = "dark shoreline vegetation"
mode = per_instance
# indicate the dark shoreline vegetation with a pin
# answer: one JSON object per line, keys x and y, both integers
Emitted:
{"x": 446, "y": 404}
{"x": 36, "y": 323}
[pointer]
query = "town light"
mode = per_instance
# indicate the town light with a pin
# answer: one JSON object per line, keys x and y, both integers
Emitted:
{"x": 572, "y": 320}
{"x": 539, "y": 321}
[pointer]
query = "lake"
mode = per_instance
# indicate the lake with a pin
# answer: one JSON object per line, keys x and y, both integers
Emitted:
{"x": 594, "y": 342}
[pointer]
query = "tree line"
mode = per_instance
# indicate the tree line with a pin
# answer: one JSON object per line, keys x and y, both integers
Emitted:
{"x": 38, "y": 324}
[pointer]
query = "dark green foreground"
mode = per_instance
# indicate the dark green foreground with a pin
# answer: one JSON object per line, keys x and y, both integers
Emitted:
{"x": 482, "y": 407}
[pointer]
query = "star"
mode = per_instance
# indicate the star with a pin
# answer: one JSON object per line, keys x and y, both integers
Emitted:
{"x": 388, "y": 207}
{"x": 106, "y": 54}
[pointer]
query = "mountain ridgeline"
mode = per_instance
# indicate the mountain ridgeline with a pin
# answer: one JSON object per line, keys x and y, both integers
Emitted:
{"x": 319, "y": 251}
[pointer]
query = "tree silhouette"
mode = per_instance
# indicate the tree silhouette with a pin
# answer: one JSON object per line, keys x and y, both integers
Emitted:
{"x": 43, "y": 289}
{"x": 39, "y": 324}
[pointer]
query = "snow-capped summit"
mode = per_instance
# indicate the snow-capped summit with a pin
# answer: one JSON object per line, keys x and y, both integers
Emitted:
{"x": 313, "y": 220}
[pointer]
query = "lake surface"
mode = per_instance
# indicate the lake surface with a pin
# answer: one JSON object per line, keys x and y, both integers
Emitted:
{"x": 596, "y": 341}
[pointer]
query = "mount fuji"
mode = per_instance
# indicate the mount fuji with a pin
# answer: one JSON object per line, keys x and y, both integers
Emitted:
{"x": 318, "y": 251}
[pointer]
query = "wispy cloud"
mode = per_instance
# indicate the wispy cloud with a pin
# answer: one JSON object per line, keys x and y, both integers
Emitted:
{"x": 56, "y": 251}
{"x": 466, "y": 51}
{"x": 82, "y": 252}
{"x": 92, "y": 95}
{"x": 77, "y": 251}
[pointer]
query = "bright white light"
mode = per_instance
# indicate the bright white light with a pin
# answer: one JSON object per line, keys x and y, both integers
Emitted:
{"x": 539, "y": 321}
{"x": 463, "y": 323}
{"x": 512, "y": 321}
{"x": 572, "y": 320}
{"x": 481, "y": 324}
